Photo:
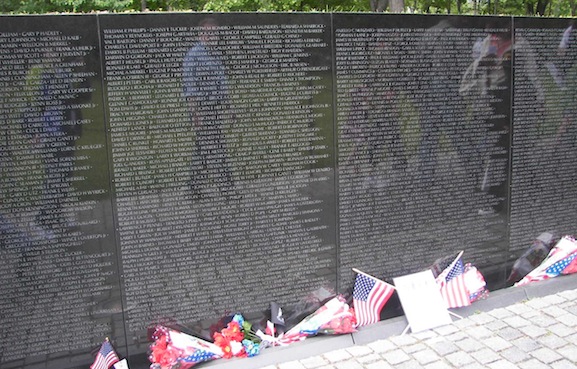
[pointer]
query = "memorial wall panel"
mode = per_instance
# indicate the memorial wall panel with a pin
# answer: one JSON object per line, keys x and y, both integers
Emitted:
{"x": 543, "y": 197}
{"x": 422, "y": 146}
{"x": 60, "y": 285}
{"x": 221, "y": 142}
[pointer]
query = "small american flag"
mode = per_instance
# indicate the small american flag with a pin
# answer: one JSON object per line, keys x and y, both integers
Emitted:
{"x": 369, "y": 297}
{"x": 452, "y": 284}
{"x": 454, "y": 269}
{"x": 455, "y": 292}
{"x": 441, "y": 264}
{"x": 105, "y": 358}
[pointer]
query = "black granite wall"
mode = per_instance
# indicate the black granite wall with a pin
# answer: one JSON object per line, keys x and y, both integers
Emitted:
{"x": 176, "y": 167}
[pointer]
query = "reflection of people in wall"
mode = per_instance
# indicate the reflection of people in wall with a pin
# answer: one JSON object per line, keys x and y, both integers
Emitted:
{"x": 50, "y": 123}
{"x": 564, "y": 57}
{"x": 565, "y": 78}
{"x": 373, "y": 124}
{"x": 486, "y": 85}
{"x": 441, "y": 109}
{"x": 206, "y": 91}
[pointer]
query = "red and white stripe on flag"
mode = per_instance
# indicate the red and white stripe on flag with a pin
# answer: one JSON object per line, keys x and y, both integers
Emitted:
{"x": 455, "y": 292}
{"x": 368, "y": 312}
{"x": 287, "y": 339}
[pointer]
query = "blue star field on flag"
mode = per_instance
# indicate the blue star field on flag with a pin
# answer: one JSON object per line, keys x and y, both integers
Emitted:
{"x": 363, "y": 286}
{"x": 456, "y": 270}
{"x": 557, "y": 268}
{"x": 198, "y": 356}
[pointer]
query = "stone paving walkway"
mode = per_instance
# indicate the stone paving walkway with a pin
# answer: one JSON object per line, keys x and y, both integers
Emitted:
{"x": 531, "y": 334}
{"x": 528, "y": 327}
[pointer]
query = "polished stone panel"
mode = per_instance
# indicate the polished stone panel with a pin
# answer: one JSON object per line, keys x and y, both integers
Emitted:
{"x": 423, "y": 121}
{"x": 60, "y": 280}
{"x": 543, "y": 197}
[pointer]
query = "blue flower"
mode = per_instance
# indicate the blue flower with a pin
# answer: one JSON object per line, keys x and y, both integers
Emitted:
{"x": 251, "y": 348}
{"x": 239, "y": 319}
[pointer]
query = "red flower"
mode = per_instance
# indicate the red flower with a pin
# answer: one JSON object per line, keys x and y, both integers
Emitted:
{"x": 228, "y": 337}
{"x": 233, "y": 332}
{"x": 162, "y": 354}
{"x": 224, "y": 343}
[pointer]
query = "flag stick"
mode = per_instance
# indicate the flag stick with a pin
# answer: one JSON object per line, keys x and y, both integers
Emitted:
{"x": 460, "y": 255}
{"x": 457, "y": 258}
{"x": 370, "y": 276}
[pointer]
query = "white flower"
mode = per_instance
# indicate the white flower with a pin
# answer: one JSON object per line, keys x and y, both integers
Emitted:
{"x": 236, "y": 347}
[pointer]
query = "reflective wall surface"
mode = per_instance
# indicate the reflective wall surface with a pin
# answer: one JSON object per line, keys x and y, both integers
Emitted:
{"x": 174, "y": 168}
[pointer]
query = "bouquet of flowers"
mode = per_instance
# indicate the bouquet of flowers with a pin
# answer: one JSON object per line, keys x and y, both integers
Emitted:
{"x": 237, "y": 339}
{"x": 334, "y": 317}
{"x": 172, "y": 349}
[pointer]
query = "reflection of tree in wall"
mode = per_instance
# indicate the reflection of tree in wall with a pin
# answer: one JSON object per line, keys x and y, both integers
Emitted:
{"x": 395, "y": 6}
{"x": 536, "y": 7}
{"x": 556, "y": 8}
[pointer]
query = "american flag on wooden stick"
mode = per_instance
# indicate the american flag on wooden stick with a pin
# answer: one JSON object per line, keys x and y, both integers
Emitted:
{"x": 369, "y": 297}
{"x": 452, "y": 284}
{"x": 106, "y": 357}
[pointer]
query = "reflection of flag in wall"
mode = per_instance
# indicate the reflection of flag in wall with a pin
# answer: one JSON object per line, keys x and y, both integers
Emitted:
{"x": 105, "y": 358}
{"x": 369, "y": 297}
{"x": 452, "y": 284}
{"x": 440, "y": 265}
